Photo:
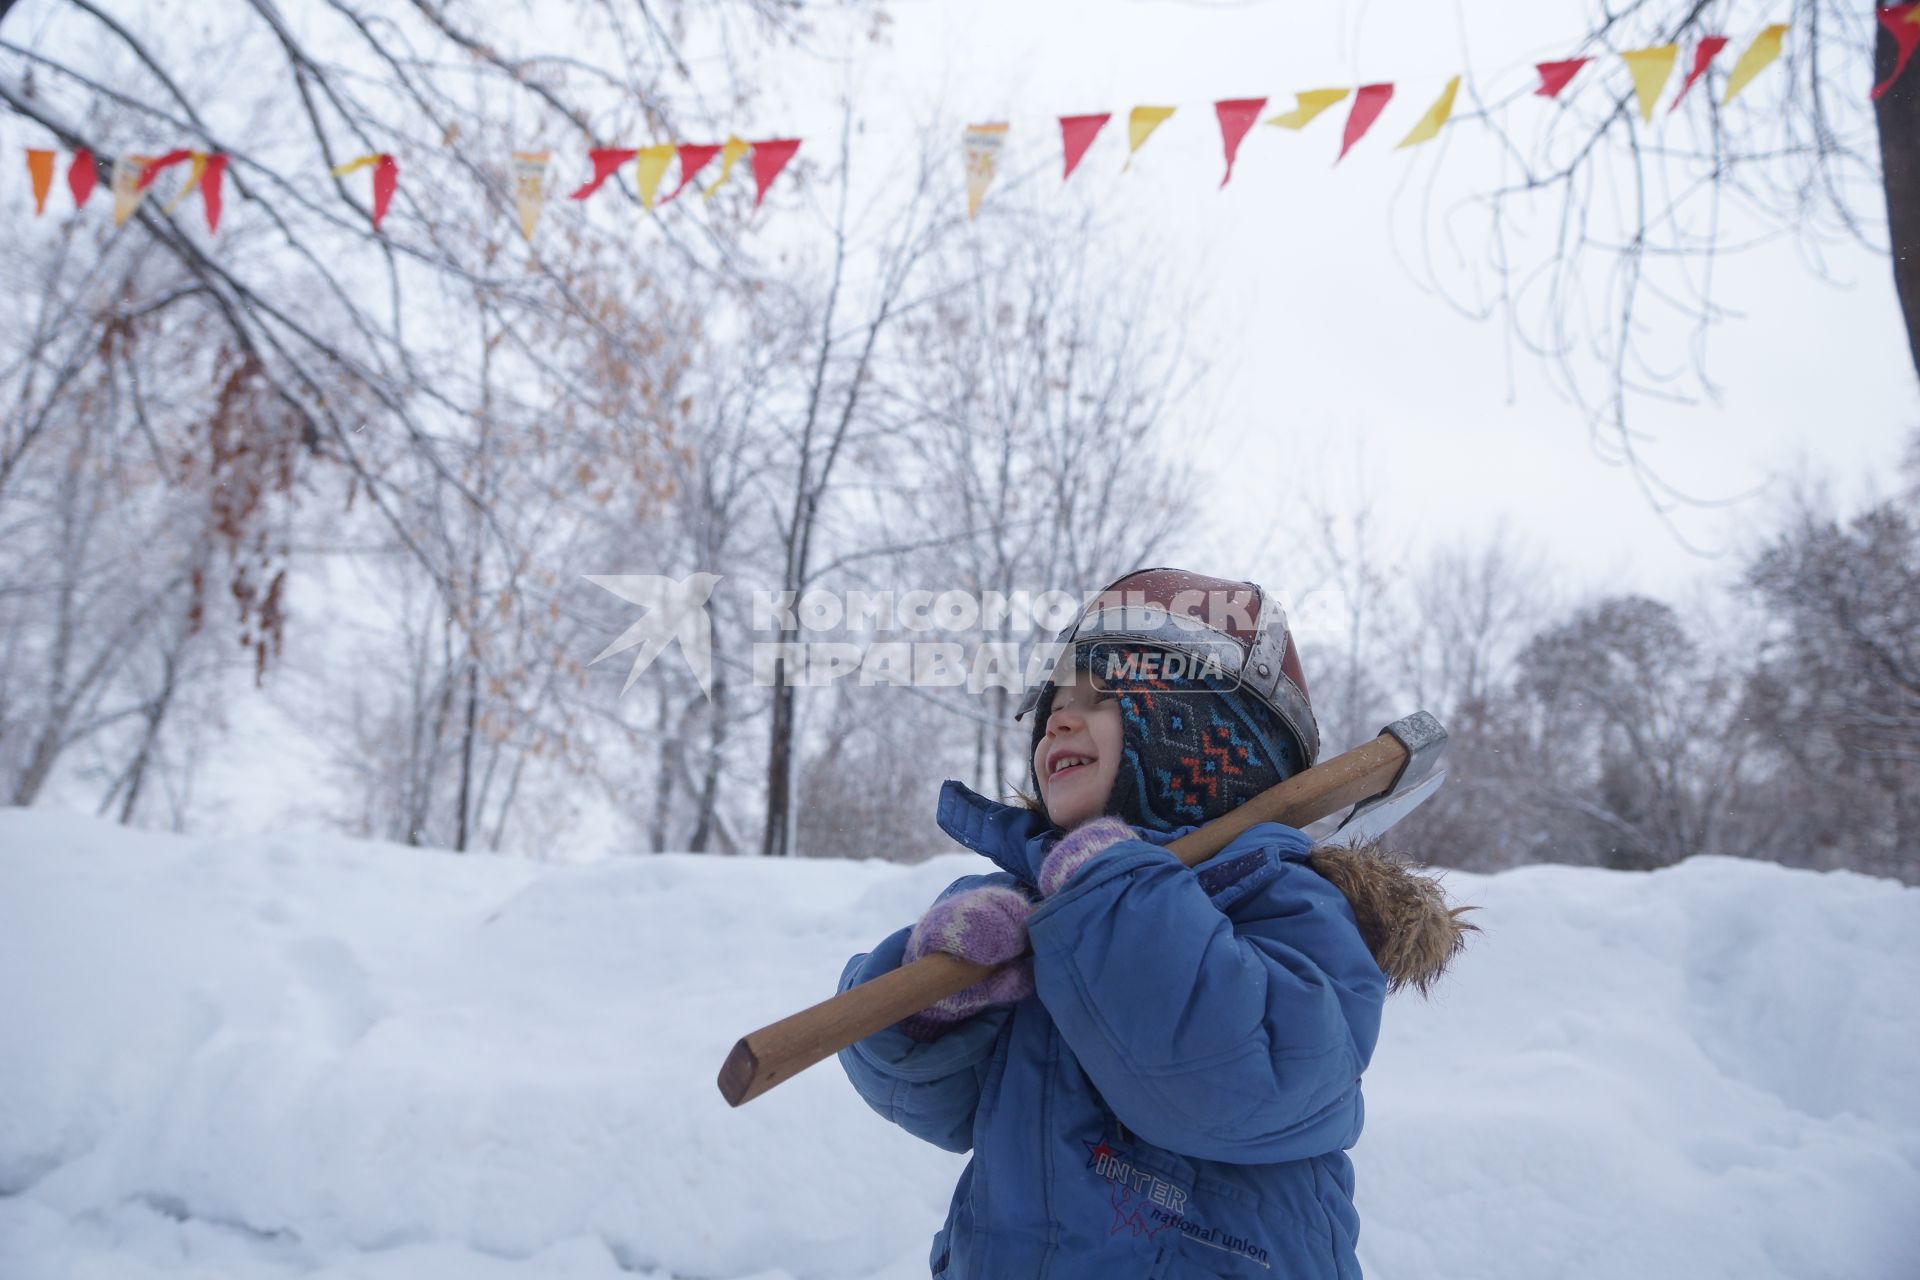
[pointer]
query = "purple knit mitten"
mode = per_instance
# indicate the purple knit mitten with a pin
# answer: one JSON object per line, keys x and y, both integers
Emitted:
{"x": 987, "y": 925}
{"x": 1077, "y": 848}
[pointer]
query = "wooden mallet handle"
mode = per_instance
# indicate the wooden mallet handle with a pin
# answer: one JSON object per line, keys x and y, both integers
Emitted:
{"x": 785, "y": 1048}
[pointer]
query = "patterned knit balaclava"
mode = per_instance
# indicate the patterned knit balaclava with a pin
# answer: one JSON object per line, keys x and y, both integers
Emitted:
{"x": 1192, "y": 748}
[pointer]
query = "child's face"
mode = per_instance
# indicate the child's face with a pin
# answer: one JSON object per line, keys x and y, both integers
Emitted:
{"x": 1083, "y": 725}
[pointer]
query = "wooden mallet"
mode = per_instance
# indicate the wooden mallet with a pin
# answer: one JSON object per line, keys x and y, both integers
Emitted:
{"x": 1383, "y": 777}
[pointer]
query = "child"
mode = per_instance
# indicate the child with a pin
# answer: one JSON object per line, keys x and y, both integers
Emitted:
{"x": 1163, "y": 1077}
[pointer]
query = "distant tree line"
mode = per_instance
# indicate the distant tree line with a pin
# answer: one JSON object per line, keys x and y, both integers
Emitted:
{"x": 1780, "y": 721}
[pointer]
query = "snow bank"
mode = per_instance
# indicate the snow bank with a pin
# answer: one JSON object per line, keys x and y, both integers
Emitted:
{"x": 303, "y": 1055}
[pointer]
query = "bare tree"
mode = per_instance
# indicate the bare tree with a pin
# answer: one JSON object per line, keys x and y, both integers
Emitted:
{"x": 1602, "y": 245}
{"x": 1043, "y": 396}
{"x": 1839, "y": 685}
{"x": 1471, "y": 610}
{"x": 1636, "y": 735}
{"x": 493, "y": 675}
{"x": 123, "y": 488}
{"x": 712, "y": 514}
{"x": 343, "y": 360}
{"x": 867, "y": 788}
{"x": 834, "y": 402}
{"x": 1477, "y": 603}
{"x": 1351, "y": 639}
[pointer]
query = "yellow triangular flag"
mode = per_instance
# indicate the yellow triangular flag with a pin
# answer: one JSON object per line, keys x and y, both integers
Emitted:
{"x": 1650, "y": 68}
{"x": 529, "y": 188}
{"x": 354, "y": 166}
{"x": 1140, "y": 126}
{"x": 1310, "y": 104}
{"x": 127, "y": 194}
{"x": 1436, "y": 116}
{"x": 1764, "y": 49}
{"x": 653, "y": 166}
{"x": 192, "y": 184}
{"x": 731, "y": 154}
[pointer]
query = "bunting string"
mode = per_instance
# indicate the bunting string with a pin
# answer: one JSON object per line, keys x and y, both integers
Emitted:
{"x": 1650, "y": 71}
{"x": 131, "y": 176}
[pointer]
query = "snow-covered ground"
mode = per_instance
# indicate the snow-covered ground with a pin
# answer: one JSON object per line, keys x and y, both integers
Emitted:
{"x": 302, "y": 1055}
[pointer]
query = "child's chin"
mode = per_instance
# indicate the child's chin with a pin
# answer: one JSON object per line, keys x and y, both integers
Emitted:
{"x": 1070, "y": 811}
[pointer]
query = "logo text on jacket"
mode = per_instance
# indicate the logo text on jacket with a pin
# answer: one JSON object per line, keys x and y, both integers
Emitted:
{"x": 1109, "y": 1164}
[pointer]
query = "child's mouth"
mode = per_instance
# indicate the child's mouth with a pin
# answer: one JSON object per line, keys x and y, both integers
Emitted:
{"x": 1067, "y": 767}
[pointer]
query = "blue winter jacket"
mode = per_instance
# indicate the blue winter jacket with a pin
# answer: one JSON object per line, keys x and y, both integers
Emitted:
{"x": 1176, "y": 1099}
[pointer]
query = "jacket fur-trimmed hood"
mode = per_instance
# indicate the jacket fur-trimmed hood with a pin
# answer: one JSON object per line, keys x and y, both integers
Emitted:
{"x": 1401, "y": 909}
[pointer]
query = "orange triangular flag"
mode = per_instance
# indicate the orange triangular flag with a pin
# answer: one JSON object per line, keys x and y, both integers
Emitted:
{"x": 40, "y": 169}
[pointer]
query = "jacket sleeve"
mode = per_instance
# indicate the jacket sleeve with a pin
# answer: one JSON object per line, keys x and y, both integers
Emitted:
{"x": 1239, "y": 1039}
{"x": 931, "y": 1090}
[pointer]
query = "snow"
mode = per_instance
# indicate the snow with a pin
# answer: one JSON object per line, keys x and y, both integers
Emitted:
{"x": 302, "y": 1055}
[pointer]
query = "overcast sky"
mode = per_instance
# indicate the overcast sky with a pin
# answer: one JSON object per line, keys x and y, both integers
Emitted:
{"x": 1332, "y": 366}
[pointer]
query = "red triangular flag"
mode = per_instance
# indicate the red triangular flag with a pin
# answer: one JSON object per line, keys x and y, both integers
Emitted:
{"x": 81, "y": 177}
{"x": 693, "y": 158}
{"x": 1554, "y": 76}
{"x": 606, "y": 163}
{"x": 1077, "y": 134}
{"x": 151, "y": 169}
{"x": 769, "y": 158}
{"x": 210, "y": 189}
{"x": 1236, "y": 117}
{"x": 386, "y": 176}
{"x": 1703, "y": 53}
{"x": 1898, "y": 22}
{"x": 1369, "y": 100}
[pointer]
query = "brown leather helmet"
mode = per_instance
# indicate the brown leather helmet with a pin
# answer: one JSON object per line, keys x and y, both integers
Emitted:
{"x": 1232, "y": 630}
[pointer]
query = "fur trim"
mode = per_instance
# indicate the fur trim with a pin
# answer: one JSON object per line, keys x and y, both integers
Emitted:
{"x": 1402, "y": 912}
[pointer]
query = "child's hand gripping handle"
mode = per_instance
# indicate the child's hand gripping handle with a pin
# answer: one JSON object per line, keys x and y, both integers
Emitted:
{"x": 785, "y": 1048}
